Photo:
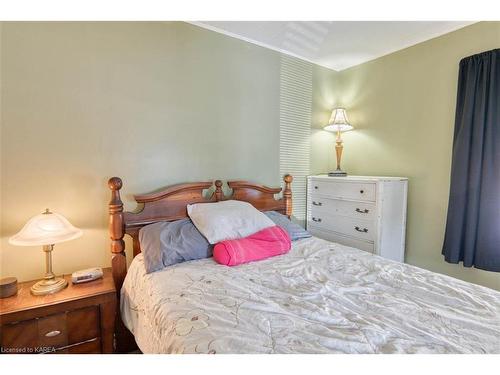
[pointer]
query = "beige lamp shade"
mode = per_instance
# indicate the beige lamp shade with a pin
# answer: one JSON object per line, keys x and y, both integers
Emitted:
{"x": 338, "y": 121}
{"x": 45, "y": 229}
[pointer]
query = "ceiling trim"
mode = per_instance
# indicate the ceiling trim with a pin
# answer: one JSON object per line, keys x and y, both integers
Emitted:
{"x": 253, "y": 41}
{"x": 324, "y": 65}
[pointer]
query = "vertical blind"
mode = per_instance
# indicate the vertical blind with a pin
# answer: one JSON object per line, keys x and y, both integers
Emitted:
{"x": 295, "y": 127}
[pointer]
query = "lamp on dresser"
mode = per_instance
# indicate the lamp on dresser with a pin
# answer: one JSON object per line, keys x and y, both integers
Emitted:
{"x": 45, "y": 230}
{"x": 338, "y": 123}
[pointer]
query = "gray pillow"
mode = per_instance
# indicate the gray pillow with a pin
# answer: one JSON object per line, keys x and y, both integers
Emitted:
{"x": 166, "y": 243}
{"x": 295, "y": 231}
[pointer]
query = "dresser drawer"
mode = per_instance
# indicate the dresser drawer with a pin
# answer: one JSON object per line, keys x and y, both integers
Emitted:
{"x": 343, "y": 240}
{"x": 362, "y": 191}
{"x": 362, "y": 210}
{"x": 362, "y": 229}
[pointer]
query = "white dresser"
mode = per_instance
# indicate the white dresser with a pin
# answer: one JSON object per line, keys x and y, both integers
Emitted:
{"x": 365, "y": 212}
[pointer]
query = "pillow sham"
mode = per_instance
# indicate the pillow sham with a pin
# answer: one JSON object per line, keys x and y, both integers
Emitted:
{"x": 227, "y": 220}
{"x": 264, "y": 244}
{"x": 295, "y": 231}
{"x": 166, "y": 243}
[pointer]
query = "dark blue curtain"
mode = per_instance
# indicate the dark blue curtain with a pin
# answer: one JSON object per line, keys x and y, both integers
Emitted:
{"x": 473, "y": 223}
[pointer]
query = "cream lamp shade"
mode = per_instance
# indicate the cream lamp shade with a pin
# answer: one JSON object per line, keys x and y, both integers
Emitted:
{"x": 338, "y": 121}
{"x": 46, "y": 230}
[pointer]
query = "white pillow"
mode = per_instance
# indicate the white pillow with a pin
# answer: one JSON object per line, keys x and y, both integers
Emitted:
{"x": 227, "y": 220}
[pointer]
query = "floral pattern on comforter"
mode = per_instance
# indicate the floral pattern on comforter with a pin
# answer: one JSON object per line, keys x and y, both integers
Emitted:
{"x": 321, "y": 297}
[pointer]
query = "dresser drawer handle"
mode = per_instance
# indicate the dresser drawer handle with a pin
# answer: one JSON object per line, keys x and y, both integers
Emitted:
{"x": 365, "y": 211}
{"x": 317, "y": 203}
{"x": 361, "y": 191}
{"x": 317, "y": 220}
{"x": 52, "y": 333}
{"x": 316, "y": 187}
{"x": 364, "y": 230}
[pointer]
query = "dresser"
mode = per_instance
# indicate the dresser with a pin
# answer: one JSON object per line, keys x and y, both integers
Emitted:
{"x": 78, "y": 319}
{"x": 368, "y": 213}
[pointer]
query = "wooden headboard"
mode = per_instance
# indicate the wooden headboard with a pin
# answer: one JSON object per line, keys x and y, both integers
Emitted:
{"x": 170, "y": 204}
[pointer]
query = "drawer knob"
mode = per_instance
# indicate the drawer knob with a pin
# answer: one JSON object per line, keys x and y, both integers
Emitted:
{"x": 317, "y": 203}
{"x": 365, "y": 211}
{"x": 361, "y": 191}
{"x": 316, "y": 187}
{"x": 318, "y": 220}
{"x": 364, "y": 230}
{"x": 52, "y": 333}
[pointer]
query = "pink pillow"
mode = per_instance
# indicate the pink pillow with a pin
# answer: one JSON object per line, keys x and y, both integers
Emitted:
{"x": 264, "y": 244}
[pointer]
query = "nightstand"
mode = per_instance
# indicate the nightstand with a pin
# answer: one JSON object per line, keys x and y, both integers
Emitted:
{"x": 78, "y": 319}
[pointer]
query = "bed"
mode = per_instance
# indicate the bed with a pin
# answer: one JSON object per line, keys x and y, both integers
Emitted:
{"x": 321, "y": 297}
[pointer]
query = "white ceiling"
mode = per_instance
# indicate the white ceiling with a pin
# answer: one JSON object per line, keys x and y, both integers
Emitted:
{"x": 334, "y": 44}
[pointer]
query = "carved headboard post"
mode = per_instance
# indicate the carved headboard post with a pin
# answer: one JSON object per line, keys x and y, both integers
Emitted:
{"x": 287, "y": 194}
{"x": 218, "y": 190}
{"x": 116, "y": 233}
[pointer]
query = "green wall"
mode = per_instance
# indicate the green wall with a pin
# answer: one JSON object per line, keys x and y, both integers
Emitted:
{"x": 156, "y": 103}
{"x": 402, "y": 107}
{"x": 159, "y": 103}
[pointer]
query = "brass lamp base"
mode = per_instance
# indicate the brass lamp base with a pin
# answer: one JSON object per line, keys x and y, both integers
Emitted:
{"x": 338, "y": 151}
{"x": 48, "y": 286}
{"x": 50, "y": 283}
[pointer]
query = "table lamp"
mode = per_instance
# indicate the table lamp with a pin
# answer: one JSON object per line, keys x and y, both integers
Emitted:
{"x": 338, "y": 123}
{"x": 46, "y": 230}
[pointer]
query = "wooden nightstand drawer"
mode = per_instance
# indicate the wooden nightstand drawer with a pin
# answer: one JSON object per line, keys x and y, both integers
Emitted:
{"x": 83, "y": 324}
{"x": 18, "y": 336}
{"x": 52, "y": 331}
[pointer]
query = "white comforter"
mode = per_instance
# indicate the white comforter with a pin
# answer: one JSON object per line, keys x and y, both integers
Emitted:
{"x": 320, "y": 298}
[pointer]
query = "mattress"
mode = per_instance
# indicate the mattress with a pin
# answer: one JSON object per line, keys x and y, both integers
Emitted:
{"x": 321, "y": 297}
